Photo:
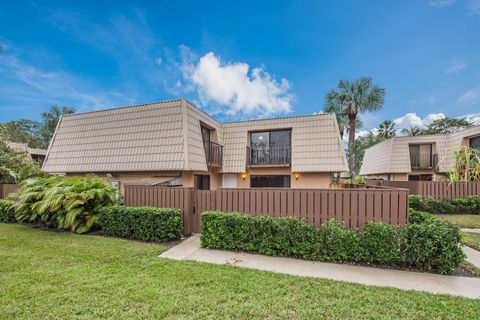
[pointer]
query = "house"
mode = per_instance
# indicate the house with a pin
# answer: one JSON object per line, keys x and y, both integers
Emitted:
{"x": 414, "y": 158}
{"x": 173, "y": 143}
{"x": 34, "y": 154}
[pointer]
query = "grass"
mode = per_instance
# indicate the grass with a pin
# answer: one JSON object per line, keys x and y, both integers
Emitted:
{"x": 462, "y": 220}
{"x": 62, "y": 275}
{"x": 471, "y": 239}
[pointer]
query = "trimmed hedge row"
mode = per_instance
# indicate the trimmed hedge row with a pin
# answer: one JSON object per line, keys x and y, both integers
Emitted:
{"x": 468, "y": 205}
{"x": 431, "y": 245}
{"x": 141, "y": 223}
{"x": 7, "y": 211}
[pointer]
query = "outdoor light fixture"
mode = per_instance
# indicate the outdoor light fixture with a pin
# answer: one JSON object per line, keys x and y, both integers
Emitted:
{"x": 296, "y": 175}
{"x": 244, "y": 175}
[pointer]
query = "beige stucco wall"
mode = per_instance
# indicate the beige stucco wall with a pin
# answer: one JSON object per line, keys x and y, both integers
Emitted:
{"x": 399, "y": 177}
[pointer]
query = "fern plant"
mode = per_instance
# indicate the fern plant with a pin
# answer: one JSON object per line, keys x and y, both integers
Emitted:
{"x": 64, "y": 202}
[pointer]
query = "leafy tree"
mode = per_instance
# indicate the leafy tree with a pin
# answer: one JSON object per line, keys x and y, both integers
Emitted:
{"x": 49, "y": 122}
{"x": 350, "y": 99}
{"x": 16, "y": 166}
{"x": 447, "y": 125}
{"x": 387, "y": 129}
{"x": 21, "y": 131}
{"x": 363, "y": 143}
{"x": 440, "y": 126}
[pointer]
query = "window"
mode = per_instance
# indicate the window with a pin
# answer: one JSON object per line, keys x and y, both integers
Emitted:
{"x": 202, "y": 182}
{"x": 475, "y": 143}
{"x": 270, "y": 181}
{"x": 269, "y": 148}
{"x": 268, "y": 139}
{"x": 420, "y": 155}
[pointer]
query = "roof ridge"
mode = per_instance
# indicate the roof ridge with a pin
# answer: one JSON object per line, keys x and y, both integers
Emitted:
{"x": 285, "y": 117}
{"x": 124, "y": 107}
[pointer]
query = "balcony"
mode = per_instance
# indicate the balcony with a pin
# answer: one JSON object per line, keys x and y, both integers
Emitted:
{"x": 272, "y": 155}
{"x": 213, "y": 153}
{"x": 421, "y": 161}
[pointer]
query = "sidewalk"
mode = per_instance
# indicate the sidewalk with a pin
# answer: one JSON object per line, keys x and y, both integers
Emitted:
{"x": 476, "y": 230}
{"x": 461, "y": 286}
{"x": 473, "y": 256}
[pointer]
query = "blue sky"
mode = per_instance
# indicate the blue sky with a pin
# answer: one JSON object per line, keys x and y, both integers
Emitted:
{"x": 240, "y": 59}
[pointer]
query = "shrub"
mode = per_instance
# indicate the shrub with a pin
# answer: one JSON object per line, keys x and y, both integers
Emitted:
{"x": 468, "y": 205}
{"x": 380, "y": 244}
{"x": 416, "y": 202}
{"x": 427, "y": 243}
{"x": 7, "y": 212}
{"x": 63, "y": 202}
{"x": 415, "y": 216}
{"x": 432, "y": 245}
{"x": 141, "y": 223}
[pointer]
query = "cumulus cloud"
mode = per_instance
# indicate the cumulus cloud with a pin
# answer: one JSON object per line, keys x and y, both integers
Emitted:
{"x": 234, "y": 86}
{"x": 412, "y": 120}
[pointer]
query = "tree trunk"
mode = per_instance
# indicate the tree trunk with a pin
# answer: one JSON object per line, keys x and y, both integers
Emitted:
{"x": 352, "y": 119}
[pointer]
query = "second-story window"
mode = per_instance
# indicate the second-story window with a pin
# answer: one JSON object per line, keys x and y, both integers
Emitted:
{"x": 420, "y": 155}
{"x": 270, "y": 147}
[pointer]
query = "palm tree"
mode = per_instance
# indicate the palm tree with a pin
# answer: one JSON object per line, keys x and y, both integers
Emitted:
{"x": 387, "y": 129}
{"x": 351, "y": 99}
{"x": 413, "y": 131}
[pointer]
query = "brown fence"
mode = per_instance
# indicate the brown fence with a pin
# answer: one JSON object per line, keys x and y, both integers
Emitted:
{"x": 436, "y": 189}
{"x": 6, "y": 189}
{"x": 354, "y": 206}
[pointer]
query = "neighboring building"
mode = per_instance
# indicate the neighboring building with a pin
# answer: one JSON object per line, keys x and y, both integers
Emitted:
{"x": 416, "y": 158}
{"x": 173, "y": 143}
{"x": 32, "y": 153}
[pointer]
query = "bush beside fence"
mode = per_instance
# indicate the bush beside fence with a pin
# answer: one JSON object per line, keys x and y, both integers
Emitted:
{"x": 7, "y": 211}
{"x": 468, "y": 205}
{"x": 431, "y": 245}
{"x": 141, "y": 223}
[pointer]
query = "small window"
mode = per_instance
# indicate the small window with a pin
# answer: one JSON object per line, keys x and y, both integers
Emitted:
{"x": 475, "y": 143}
{"x": 270, "y": 181}
{"x": 202, "y": 182}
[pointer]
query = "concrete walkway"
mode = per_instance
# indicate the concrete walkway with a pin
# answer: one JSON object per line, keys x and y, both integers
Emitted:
{"x": 473, "y": 256}
{"x": 470, "y": 230}
{"x": 461, "y": 286}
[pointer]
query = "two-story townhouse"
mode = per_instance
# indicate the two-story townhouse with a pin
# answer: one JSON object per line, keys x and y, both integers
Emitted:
{"x": 173, "y": 143}
{"x": 417, "y": 158}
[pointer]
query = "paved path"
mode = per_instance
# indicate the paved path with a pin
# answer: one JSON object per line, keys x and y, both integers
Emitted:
{"x": 473, "y": 256}
{"x": 461, "y": 286}
{"x": 470, "y": 230}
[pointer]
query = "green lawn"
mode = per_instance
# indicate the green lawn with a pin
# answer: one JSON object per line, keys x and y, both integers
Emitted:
{"x": 61, "y": 275}
{"x": 462, "y": 220}
{"x": 471, "y": 239}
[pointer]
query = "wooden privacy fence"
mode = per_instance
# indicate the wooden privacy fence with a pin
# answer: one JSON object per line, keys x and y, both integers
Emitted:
{"x": 316, "y": 206}
{"x": 436, "y": 189}
{"x": 6, "y": 189}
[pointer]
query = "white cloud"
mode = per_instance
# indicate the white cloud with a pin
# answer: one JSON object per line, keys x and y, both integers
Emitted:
{"x": 158, "y": 61}
{"x": 473, "y": 117}
{"x": 441, "y": 3}
{"x": 455, "y": 66}
{"x": 412, "y": 120}
{"x": 242, "y": 91}
{"x": 474, "y": 6}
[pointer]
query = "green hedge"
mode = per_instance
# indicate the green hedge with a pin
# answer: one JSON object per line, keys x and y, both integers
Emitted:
{"x": 431, "y": 244}
{"x": 468, "y": 205}
{"x": 7, "y": 211}
{"x": 141, "y": 223}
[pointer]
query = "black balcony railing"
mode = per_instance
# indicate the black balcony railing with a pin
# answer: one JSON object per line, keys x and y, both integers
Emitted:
{"x": 421, "y": 160}
{"x": 213, "y": 153}
{"x": 272, "y": 155}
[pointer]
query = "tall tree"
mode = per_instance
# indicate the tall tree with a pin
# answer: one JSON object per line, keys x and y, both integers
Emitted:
{"x": 413, "y": 131}
{"x": 440, "y": 126}
{"x": 49, "y": 122}
{"x": 387, "y": 129}
{"x": 351, "y": 99}
{"x": 22, "y": 131}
